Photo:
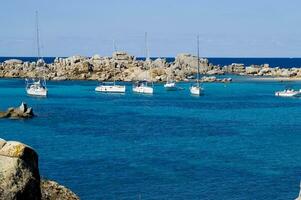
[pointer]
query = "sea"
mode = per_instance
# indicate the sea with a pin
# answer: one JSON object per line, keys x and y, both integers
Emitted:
{"x": 236, "y": 141}
{"x": 273, "y": 62}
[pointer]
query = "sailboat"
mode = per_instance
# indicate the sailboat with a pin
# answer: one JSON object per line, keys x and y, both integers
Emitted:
{"x": 170, "y": 85}
{"x": 143, "y": 86}
{"x": 37, "y": 87}
{"x": 196, "y": 88}
{"x": 111, "y": 87}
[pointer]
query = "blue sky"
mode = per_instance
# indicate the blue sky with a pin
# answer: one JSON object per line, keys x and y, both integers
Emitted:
{"x": 227, "y": 28}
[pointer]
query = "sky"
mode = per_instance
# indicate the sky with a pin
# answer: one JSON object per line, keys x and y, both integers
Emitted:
{"x": 227, "y": 28}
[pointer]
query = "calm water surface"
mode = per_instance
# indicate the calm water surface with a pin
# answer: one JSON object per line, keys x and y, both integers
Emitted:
{"x": 237, "y": 141}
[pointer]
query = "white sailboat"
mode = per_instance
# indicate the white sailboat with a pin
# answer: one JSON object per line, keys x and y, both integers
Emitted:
{"x": 111, "y": 87}
{"x": 196, "y": 88}
{"x": 144, "y": 86}
{"x": 37, "y": 87}
{"x": 170, "y": 85}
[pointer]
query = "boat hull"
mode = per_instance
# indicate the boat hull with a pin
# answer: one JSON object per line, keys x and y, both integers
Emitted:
{"x": 195, "y": 90}
{"x": 170, "y": 87}
{"x": 143, "y": 89}
{"x": 110, "y": 88}
{"x": 288, "y": 94}
{"x": 37, "y": 92}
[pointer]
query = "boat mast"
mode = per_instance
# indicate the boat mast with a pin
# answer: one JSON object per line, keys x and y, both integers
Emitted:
{"x": 38, "y": 35}
{"x": 198, "y": 74}
{"x": 146, "y": 48}
{"x": 147, "y": 58}
{"x": 115, "y": 50}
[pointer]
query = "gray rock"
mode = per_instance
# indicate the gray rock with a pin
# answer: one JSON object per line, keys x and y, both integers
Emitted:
{"x": 21, "y": 112}
{"x": 252, "y": 70}
{"x": 53, "y": 191}
{"x": 19, "y": 173}
{"x": 20, "y": 178}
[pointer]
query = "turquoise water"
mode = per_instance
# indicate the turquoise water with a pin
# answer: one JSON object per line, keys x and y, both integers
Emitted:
{"x": 237, "y": 141}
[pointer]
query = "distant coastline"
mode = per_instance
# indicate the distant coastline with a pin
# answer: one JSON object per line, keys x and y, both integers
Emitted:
{"x": 124, "y": 67}
{"x": 284, "y": 62}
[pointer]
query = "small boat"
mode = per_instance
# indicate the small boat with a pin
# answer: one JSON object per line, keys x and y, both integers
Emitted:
{"x": 196, "y": 89}
{"x": 36, "y": 88}
{"x": 142, "y": 87}
{"x": 170, "y": 86}
{"x": 288, "y": 93}
{"x": 110, "y": 88}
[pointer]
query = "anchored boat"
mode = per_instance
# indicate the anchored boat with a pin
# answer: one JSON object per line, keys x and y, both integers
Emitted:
{"x": 196, "y": 88}
{"x": 37, "y": 87}
{"x": 110, "y": 87}
{"x": 144, "y": 86}
{"x": 288, "y": 93}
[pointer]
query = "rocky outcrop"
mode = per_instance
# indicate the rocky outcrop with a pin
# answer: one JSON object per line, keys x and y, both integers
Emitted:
{"x": 21, "y": 112}
{"x": 53, "y": 191}
{"x": 124, "y": 67}
{"x": 19, "y": 173}
{"x": 209, "y": 79}
{"x": 20, "y": 178}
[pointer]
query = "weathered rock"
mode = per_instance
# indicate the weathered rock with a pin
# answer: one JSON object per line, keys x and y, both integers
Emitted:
{"x": 20, "y": 178}
{"x": 21, "y": 112}
{"x": 214, "y": 79}
{"x": 19, "y": 173}
{"x": 215, "y": 72}
{"x": 53, "y": 191}
{"x": 191, "y": 62}
{"x": 252, "y": 70}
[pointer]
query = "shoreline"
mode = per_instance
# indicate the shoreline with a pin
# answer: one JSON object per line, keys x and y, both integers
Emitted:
{"x": 127, "y": 68}
{"x": 281, "y": 79}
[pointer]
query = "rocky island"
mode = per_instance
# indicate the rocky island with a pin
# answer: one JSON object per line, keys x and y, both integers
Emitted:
{"x": 20, "y": 177}
{"x": 128, "y": 68}
{"x": 21, "y": 112}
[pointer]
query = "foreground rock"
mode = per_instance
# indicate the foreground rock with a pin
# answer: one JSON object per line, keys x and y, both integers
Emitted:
{"x": 19, "y": 173}
{"x": 21, "y": 112}
{"x": 53, "y": 191}
{"x": 20, "y": 178}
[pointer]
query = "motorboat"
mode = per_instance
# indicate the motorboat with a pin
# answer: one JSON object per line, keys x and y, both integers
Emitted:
{"x": 288, "y": 93}
{"x": 110, "y": 88}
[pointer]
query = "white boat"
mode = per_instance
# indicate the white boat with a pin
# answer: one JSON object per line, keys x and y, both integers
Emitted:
{"x": 288, "y": 93}
{"x": 196, "y": 89}
{"x": 36, "y": 88}
{"x": 110, "y": 87}
{"x": 113, "y": 88}
{"x": 170, "y": 86}
{"x": 142, "y": 87}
